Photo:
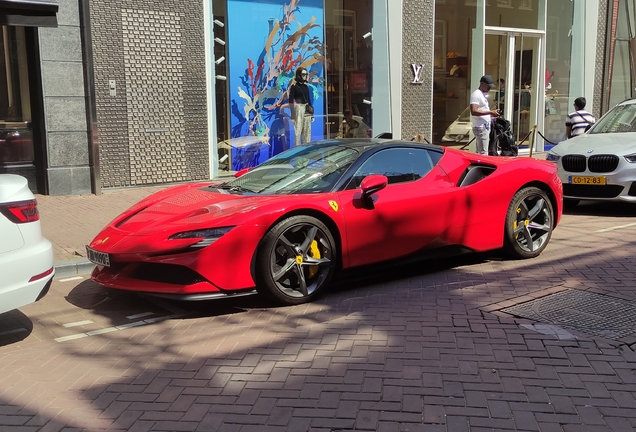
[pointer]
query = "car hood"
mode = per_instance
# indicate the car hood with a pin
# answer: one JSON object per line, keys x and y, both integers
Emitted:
{"x": 607, "y": 143}
{"x": 192, "y": 208}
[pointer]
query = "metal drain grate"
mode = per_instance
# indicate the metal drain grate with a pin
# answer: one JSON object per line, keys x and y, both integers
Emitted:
{"x": 594, "y": 314}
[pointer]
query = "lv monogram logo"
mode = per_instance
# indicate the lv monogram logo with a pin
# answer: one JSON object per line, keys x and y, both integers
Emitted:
{"x": 417, "y": 73}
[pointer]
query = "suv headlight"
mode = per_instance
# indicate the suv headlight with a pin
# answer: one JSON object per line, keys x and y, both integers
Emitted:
{"x": 552, "y": 157}
{"x": 631, "y": 158}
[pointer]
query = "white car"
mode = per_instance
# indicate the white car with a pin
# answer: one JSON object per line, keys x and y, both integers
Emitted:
{"x": 600, "y": 165}
{"x": 26, "y": 258}
{"x": 459, "y": 131}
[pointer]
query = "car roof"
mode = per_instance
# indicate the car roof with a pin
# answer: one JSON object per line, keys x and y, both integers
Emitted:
{"x": 629, "y": 101}
{"x": 370, "y": 143}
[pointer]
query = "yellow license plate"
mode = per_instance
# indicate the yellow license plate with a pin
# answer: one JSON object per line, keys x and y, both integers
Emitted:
{"x": 588, "y": 180}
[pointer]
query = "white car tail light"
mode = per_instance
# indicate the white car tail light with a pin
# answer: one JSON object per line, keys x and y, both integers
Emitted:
{"x": 21, "y": 212}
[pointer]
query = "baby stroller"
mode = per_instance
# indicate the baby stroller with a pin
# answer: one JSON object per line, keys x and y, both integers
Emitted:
{"x": 501, "y": 141}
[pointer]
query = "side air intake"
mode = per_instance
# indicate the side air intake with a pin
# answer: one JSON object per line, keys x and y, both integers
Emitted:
{"x": 475, "y": 173}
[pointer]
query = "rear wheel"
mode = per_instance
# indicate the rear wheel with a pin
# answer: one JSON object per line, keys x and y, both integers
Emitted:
{"x": 529, "y": 223}
{"x": 296, "y": 260}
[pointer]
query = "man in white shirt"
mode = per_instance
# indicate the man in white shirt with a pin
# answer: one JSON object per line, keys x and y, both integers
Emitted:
{"x": 481, "y": 114}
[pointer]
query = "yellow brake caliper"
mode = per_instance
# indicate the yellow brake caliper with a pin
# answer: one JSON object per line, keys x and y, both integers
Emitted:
{"x": 314, "y": 252}
{"x": 515, "y": 224}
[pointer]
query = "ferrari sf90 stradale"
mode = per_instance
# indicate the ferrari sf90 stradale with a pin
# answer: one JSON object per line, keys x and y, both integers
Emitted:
{"x": 285, "y": 227}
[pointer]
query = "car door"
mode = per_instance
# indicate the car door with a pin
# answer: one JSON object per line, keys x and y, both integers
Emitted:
{"x": 410, "y": 214}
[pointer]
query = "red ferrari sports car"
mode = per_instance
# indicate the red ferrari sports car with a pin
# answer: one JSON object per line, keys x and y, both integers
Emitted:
{"x": 286, "y": 226}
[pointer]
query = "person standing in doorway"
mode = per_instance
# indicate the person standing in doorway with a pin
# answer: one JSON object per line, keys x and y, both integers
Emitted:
{"x": 481, "y": 114}
{"x": 580, "y": 120}
{"x": 301, "y": 108}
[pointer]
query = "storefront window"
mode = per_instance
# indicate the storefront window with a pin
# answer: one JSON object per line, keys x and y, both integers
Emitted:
{"x": 454, "y": 23}
{"x": 516, "y": 76}
{"x": 16, "y": 138}
{"x": 259, "y": 46}
{"x": 558, "y": 54}
{"x": 515, "y": 14}
{"x": 624, "y": 53}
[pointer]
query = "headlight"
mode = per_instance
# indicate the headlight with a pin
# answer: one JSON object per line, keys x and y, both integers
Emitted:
{"x": 207, "y": 236}
{"x": 553, "y": 157}
{"x": 631, "y": 158}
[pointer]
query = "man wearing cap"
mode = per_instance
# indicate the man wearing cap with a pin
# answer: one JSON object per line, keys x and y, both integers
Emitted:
{"x": 481, "y": 114}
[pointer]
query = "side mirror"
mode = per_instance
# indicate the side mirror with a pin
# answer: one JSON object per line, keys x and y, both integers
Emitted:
{"x": 372, "y": 184}
{"x": 241, "y": 172}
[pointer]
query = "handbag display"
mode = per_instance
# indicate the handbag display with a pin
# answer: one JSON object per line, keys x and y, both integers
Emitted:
{"x": 309, "y": 110}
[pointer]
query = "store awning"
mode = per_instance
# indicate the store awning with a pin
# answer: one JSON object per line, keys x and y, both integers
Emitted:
{"x": 29, "y": 13}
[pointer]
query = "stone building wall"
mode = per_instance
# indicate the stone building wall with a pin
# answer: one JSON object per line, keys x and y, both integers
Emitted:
{"x": 63, "y": 89}
{"x": 150, "y": 91}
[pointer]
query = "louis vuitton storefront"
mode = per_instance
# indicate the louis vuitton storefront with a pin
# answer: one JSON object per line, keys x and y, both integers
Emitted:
{"x": 140, "y": 92}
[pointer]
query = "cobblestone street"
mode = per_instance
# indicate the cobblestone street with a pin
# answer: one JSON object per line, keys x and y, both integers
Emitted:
{"x": 423, "y": 347}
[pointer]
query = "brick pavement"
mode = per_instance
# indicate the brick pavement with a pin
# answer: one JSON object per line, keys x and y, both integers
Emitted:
{"x": 416, "y": 348}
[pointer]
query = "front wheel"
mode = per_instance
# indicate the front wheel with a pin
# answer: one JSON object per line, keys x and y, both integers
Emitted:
{"x": 529, "y": 223}
{"x": 296, "y": 259}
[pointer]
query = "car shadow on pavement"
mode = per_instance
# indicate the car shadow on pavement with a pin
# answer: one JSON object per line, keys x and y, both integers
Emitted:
{"x": 119, "y": 306}
{"x": 14, "y": 327}
{"x": 393, "y": 271}
{"x": 596, "y": 208}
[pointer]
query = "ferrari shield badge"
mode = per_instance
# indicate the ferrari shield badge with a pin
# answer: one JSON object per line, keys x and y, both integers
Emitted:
{"x": 334, "y": 205}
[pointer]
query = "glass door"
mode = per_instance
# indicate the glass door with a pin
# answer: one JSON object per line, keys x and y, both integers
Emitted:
{"x": 514, "y": 59}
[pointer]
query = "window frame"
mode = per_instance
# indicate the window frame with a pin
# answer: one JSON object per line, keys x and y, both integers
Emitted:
{"x": 352, "y": 183}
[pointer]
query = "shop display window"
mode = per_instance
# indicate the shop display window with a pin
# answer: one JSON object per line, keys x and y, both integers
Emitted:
{"x": 453, "y": 65}
{"x": 258, "y": 46}
{"x": 16, "y": 137}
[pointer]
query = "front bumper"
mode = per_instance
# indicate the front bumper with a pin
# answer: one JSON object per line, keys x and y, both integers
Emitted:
{"x": 620, "y": 184}
{"x": 617, "y": 188}
{"x": 146, "y": 264}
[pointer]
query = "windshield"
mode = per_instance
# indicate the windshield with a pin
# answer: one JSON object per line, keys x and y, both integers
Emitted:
{"x": 620, "y": 119}
{"x": 306, "y": 169}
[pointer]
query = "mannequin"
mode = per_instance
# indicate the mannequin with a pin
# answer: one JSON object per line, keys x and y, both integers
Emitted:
{"x": 299, "y": 99}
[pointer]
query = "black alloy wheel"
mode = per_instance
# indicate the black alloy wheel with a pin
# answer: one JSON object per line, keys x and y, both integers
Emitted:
{"x": 529, "y": 223}
{"x": 296, "y": 260}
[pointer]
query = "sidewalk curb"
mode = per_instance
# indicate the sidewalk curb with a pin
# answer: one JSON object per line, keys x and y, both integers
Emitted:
{"x": 73, "y": 267}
